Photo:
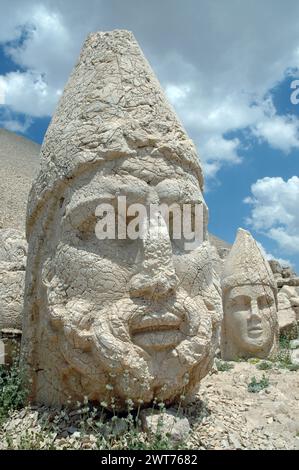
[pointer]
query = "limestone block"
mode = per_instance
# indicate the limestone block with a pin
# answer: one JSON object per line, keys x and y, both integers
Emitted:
{"x": 287, "y": 323}
{"x": 294, "y": 344}
{"x": 292, "y": 294}
{"x": 294, "y": 356}
{"x": 276, "y": 267}
{"x": 167, "y": 423}
{"x": 292, "y": 281}
{"x": 116, "y": 318}
{"x": 10, "y": 339}
{"x": 250, "y": 325}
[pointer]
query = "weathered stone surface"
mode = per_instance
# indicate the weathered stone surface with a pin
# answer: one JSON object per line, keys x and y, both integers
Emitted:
{"x": 112, "y": 319}
{"x": 13, "y": 248}
{"x": 275, "y": 267}
{"x": 235, "y": 417}
{"x": 250, "y": 326}
{"x": 294, "y": 356}
{"x": 167, "y": 423}
{"x": 222, "y": 247}
{"x": 292, "y": 293}
{"x": 19, "y": 162}
{"x": 11, "y": 341}
{"x": 292, "y": 281}
{"x": 286, "y": 315}
{"x": 294, "y": 344}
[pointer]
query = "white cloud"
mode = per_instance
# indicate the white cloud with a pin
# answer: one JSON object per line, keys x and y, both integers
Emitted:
{"x": 15, "y": 125}
{"x": 215, "y": 59}
{"x": 274, "y": 212}
{"x": 2, "y": 91}
{"x": 281, "y": 132}
{"x": 270, "y": 256}
{"x": 13, "y": 122}
{"x": 218, "y": 151}
{"x": 28, "y": 93}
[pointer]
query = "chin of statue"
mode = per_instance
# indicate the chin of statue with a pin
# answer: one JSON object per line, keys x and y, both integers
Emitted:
{"x": 138, "y": 349}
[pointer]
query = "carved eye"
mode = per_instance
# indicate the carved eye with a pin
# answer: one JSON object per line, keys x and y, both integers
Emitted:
{"x": 241, "y": 302}
{"x": 265, "y": 301}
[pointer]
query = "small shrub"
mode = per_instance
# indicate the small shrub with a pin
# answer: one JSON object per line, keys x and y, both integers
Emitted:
{"x": 283, "y": 358}
{"x": 293, "y": 367}
{"x": 253, "y": 360}
{"x": 223, "y": 366}
{"x": 284, "y": 341}
{"x": 13, "y": 393}
{"x": 256, "y": 386}
{"x": 264, "y": 365}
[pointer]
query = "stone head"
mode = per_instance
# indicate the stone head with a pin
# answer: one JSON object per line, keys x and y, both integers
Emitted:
{"x": 116, "y": 318}
{"x": 249, "y": 302}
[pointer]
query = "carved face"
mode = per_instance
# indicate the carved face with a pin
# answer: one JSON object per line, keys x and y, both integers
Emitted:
{"x": 128, "y": 318}
{"x": 249, "y": 313}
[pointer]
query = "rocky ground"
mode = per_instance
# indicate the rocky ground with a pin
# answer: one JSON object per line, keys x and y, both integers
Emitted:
{"x": 239, "y": 419}
{"x": 224, "y": 415}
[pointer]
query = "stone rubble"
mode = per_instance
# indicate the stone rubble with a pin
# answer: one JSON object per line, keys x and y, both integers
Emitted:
{"x": 222, "y": 415}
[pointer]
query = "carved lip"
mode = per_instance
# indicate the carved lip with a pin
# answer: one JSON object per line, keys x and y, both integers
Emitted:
{"x": 255, "y": 330}
{"x": 157, "y": 331}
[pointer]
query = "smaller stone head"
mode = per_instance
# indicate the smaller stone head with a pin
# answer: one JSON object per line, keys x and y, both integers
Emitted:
{"x": 250, "y": 326}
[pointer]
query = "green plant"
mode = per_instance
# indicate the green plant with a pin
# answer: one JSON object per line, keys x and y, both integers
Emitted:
{"x": 256, "y": 386}
{"x": 13, "y": 392}
{"x": 283, "y": 358}
{"x": 284, "y": 341}
{"x": 264, "y": 365}
{"x": 223, "y": 366}
{"x": 30, "y": 440}
{"x": 253, "y": 360}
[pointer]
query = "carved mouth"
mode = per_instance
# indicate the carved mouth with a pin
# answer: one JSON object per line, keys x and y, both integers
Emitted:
{"x": 156, "y": 331}
{"x": 255, "y": 330}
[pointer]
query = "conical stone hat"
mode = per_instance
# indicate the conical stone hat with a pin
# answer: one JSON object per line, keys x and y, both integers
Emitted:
{"x": 112, "y": 107}
{"x": 246, "y": 265}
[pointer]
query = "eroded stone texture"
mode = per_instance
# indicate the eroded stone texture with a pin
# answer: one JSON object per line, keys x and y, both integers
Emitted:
{"x": 115, "y": 319}
{"x": 288, "y": 299}
{"x": 250, "y": 326}
{"x": 13, "y": 249}
{"x": 288, "y": 311}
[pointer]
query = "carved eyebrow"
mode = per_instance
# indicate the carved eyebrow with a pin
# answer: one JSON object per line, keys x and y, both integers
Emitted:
{"x": 239, "y": 297}
{"x": 76, "y": 214}
{"x": 180, "y": 193}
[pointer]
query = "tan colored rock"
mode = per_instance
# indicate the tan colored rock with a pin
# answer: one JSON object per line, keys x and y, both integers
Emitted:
{"x": 250, "y": 326}
{"x": 292, "y": 293}
{"x": 13, "y": 248}
{"x": 294, "y": 356}
{"x": 19, "y": 162}
{"x": 114, "y": 319}
{"x": 167, "y": 423}
{"x": 286, "y": 314}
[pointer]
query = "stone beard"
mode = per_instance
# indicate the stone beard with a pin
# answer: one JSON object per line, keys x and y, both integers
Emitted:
{"x": 122, "y": 319}
{"x": 249, "y": 321}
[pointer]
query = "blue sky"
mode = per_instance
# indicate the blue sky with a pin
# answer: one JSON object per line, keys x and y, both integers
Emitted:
{"x": 226, "y": 67}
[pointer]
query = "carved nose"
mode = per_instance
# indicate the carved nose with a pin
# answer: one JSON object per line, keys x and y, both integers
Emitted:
{"x": 255, "y": 312}
{"x": 157, "y": 275}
